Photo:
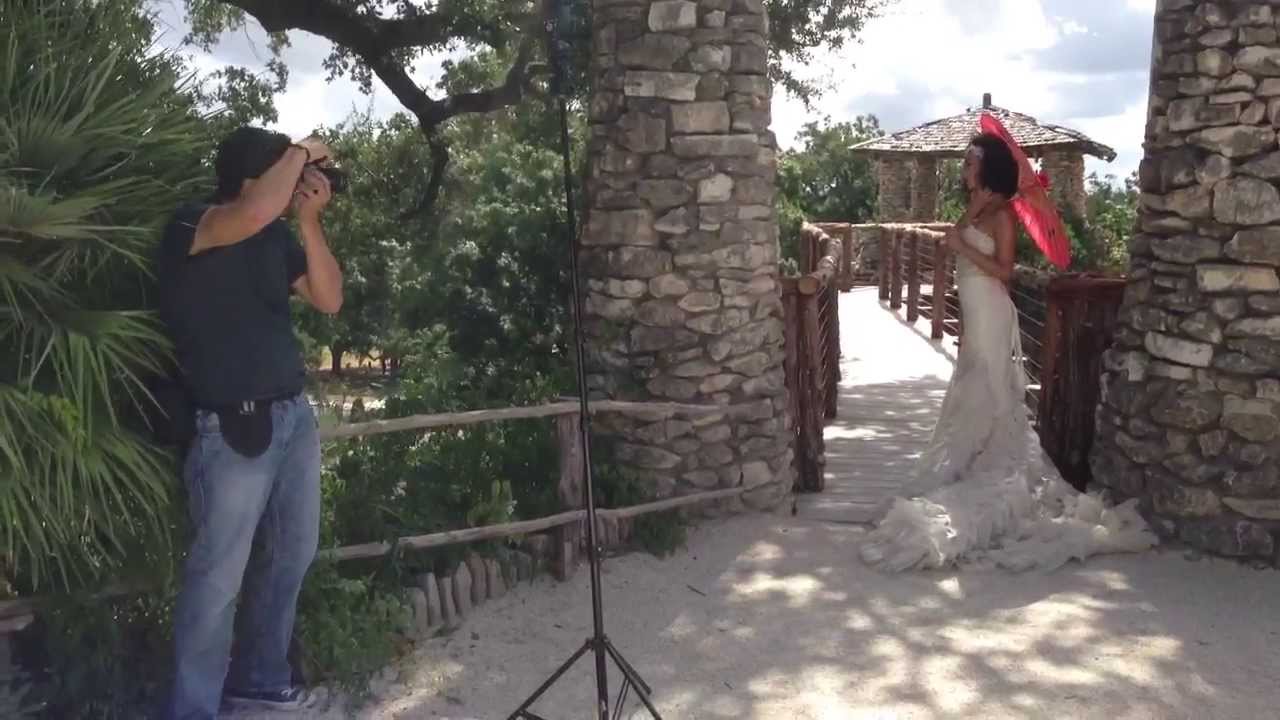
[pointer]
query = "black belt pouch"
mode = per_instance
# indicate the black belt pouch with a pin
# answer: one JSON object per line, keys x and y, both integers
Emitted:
{"x": 246, "y": 428}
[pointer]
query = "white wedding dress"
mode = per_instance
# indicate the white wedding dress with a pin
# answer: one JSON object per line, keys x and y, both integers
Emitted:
{"x": 984, "y": 492}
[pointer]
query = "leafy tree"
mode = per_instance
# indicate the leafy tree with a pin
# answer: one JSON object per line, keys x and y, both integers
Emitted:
{"x": 1113, "y": 218}
{"x": 97, "y": 145}
{"x": 366, "y": 234}
{"x": 824, "y": 180}
{"x": 384, "y": 38}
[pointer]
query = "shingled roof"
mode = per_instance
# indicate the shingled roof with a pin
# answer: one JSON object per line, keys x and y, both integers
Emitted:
{"x": 949, "y": 137}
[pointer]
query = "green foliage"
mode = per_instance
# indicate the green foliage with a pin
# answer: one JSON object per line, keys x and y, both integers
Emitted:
{"x": 365, "y": 230}
{"x": 798, "y": 27}
{"x": 78, "y": 648}
{"x": 16, "y": 696}
{"x": 97, "y": 144}
{"x": 403, "y": 483}
{"x": 1113, "y": 218}
{"x": 349, "y": 627}
{"x": 658, "y": 533}
{"x": 824, "y": 181}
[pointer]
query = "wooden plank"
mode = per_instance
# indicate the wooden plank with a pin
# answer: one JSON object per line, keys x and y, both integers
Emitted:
{"x": 893, "y": 382}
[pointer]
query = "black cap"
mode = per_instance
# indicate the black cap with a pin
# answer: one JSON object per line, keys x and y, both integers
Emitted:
{"x": 247, "y": 152}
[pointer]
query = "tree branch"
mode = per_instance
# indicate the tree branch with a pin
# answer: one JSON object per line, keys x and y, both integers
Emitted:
{"x": 439, "y": 162}
{"x": 374, "y": 39}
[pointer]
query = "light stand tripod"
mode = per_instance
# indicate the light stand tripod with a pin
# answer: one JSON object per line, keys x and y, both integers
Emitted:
{"x": 599, "y": 644}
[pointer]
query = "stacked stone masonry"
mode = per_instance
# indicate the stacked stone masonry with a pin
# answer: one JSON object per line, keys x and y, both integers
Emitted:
{"x": 681, "y": 243}
{"x": 924, "y": 190}
{"x": 894, "y": 192}
{"x": 1190, "y": 418}
{"x": 1066, "y": 177}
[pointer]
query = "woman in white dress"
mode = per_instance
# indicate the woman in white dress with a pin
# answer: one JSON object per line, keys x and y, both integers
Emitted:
{"x": 983, "y": 491}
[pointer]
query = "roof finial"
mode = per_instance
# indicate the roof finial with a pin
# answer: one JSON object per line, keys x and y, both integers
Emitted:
{"x": 986, "y": 100}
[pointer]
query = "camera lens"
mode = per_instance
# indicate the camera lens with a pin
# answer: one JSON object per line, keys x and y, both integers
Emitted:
{"x": 337, "y": 178}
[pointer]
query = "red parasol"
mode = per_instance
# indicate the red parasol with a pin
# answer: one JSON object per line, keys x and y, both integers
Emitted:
{"x": 1032, "y": 203}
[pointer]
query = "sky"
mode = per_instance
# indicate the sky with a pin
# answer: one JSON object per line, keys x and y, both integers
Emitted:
{"x": 1079, "y": 63}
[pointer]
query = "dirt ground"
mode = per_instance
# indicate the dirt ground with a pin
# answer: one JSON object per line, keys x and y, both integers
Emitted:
{"x": 770, "y": 617}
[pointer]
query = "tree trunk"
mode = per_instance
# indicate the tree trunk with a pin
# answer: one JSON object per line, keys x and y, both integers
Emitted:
{"x": 336, "y": 352}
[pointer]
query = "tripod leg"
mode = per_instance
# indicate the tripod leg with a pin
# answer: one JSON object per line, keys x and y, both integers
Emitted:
{"x": 622, "y": 699}
{"x": 628, "y": 672}
{"x": 522, "y": 712}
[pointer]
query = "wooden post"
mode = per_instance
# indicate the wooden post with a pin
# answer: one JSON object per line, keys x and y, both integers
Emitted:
{"x": 938, "y": 323}
{"x": 846, "y": 258}
{"x": 811, "y": 408}
{"x": 568, "y": 538}
{"x": 913, "y": 277}
{"x": 884, "y": 262}
{"x": 895, "y": 273}
{"x": 1050, "y": 350}
{"x": 833, "y": 353}
{"x": 806, "y": 249}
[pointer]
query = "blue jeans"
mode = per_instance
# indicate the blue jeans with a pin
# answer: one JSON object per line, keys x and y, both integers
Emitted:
{"x": 269, "y": 505}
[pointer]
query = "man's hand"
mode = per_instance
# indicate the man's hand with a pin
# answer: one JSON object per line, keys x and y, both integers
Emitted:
{"x": 316, "y": 149}
{"x": 312, "y": 195}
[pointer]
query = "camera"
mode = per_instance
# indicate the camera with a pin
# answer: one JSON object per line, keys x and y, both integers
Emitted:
{"x": 337, "y": 178}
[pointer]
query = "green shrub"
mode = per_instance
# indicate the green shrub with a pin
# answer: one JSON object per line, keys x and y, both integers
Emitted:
{"x": 348, "y": 627}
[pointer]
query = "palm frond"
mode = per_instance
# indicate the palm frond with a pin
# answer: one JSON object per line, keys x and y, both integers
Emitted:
{"x": 98, "y": 143}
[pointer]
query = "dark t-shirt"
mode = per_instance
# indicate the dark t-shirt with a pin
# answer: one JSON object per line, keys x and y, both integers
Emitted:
{"x": 227, "y": 311}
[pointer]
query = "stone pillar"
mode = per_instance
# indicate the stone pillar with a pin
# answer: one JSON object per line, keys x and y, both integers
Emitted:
{"x": 1190, "y": 418}
{"x": 894, "y": 199}
{"x": 681, "y": 243}
{"x": 1066, "y": 180}
{"x": 924, "y": 190}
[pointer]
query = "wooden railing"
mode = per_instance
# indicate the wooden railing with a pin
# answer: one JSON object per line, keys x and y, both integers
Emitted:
{"x": 1067, "y": 321}
{"x": 567, "y": 528}
{"x": 812, "y": 318}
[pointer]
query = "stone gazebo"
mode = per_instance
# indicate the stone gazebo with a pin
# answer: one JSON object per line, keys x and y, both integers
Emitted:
{"x": 907, "y": 161}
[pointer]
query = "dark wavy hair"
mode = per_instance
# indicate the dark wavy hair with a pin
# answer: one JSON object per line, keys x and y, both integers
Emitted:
{"x": 244, "y": 154}
{"x": 997, "y": 171}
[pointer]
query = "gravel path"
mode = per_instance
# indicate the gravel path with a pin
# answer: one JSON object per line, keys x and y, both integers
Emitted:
{"x": 773, "y": 617}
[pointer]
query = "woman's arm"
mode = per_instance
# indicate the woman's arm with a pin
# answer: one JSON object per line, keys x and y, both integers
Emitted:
{"x": 999, "y": 267}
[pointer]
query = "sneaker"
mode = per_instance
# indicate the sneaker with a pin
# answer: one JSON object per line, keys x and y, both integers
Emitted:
{"x": 287, "y": 700}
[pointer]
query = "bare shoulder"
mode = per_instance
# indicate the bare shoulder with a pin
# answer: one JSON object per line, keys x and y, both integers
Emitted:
{"x": 1005, "y": 219}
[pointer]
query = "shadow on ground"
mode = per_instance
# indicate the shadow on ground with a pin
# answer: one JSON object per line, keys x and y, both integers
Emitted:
{"x": 764, "y": 617}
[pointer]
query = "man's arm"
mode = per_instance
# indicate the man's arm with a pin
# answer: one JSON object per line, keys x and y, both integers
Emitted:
{"x": 321, "y": 284}
{"x": 257, "y": 206}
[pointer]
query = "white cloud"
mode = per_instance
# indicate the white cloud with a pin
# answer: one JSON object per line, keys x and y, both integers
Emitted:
{"x": 1070, "y": 63}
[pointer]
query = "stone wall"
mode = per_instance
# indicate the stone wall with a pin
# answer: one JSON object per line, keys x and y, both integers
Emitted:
{"x": 681, "y": 242}
{"x": 1066, "y": 178}
{"x": 924, "y": 190}
{"x": 894, "y": 197}
{"x": 1191, "y": 392}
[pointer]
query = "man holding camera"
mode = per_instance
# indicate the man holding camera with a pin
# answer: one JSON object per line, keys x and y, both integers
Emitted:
{"x": 226, "y": 270}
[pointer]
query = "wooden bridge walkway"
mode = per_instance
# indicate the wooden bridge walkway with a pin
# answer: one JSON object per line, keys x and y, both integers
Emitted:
{"x": 893, "y": 378}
